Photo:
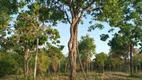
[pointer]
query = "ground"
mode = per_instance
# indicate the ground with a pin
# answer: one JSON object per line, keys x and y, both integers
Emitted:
{"x": 90, "y": 76}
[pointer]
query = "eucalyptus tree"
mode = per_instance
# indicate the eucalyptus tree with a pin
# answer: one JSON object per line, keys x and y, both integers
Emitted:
{"x": 87, "y": 49}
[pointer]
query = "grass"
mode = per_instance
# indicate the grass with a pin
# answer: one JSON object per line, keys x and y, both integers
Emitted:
{"x": 90, "y": 76}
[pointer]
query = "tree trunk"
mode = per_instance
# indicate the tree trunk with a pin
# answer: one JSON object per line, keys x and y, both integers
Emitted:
{"x": 103, "y": 70}
{"x": 125, "y": 61}
{"x": 59, "y": 67}
{"x": 66, "y": 67}
{"x": 25, "y": 62}
{"x": 131, "y": 61}
{"x": 35, "y": 66}
{"x": 72, "y": 45}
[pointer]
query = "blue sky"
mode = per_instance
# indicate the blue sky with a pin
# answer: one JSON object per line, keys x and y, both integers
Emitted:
{"x": 64, "y": 31}
{"x": 101, "y": 46}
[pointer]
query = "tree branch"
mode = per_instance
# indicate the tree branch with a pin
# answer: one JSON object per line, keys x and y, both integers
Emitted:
{"x": 89, "y": 6}
{"x": 85, "y": 9}
{"x": 30, "y": 22}
{"x": 67, "y": 17}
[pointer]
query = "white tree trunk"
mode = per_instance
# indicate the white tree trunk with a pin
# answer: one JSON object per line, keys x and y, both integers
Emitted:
{"x": 35, "y": 66}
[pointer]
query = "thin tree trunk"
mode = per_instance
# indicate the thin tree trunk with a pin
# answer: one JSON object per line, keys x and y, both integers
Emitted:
{"x": 25, "y": 61}
{"x": 59, "y": 67}
{"x": 131, "y": 61}
{"x": 125, "y": 61}
{"x": 35, "y": 66}
{"x": 65, "y": 67}
{"x": 103, "y": 69}
{"x": 84, "y": 74}
{"x": 28, "y": 69}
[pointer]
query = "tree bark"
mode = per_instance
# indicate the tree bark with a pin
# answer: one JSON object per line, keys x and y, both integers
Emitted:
{"x": 131, "y": 60}
{"x": 72, "y": 45}
{"x": 25, "y": 62}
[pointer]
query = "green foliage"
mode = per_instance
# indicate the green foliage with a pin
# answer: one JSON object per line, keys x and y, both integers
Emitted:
{"x": 8, "y": 8}
{"x": 93, "y": 27}
{"x": 55, "y": 63}
{"x": 63, "y": 64}
{"x": 86, "y": 48}
{"x": 100, "y": 59}
{"x": 11, "y": 63}
{"x": 119, "y": 45}
{"x": 55, "y": 55}
{"x": 104, "y": 37}
{"x": 54, "y": 51}
{"x": 43, "y": 62}
{"x": 137, "y": 59}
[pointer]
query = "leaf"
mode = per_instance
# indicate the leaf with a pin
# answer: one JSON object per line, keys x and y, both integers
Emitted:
{"x": 81, "y": 22}
{"x": 111, "y": 30}
{"x": 93, "y": 27}
{"x": 104, "y": 37}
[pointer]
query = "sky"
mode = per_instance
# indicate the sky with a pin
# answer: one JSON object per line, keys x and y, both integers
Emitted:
{"x": 64, "y": 31}
{"x": 101, "y": 46}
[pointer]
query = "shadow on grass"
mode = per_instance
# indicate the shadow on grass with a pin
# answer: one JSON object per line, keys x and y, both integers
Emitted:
{"x": 135, "y": 76}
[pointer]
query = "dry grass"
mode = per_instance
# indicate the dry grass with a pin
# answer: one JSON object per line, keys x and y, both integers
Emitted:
{"x": 90, "y": 76}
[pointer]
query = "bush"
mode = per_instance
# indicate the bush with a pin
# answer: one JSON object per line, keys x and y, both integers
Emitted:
{"x": 10, "y": 63}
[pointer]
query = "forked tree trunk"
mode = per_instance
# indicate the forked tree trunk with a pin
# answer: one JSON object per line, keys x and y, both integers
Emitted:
{"x": 72, "y": 45}
{"x": 25, "y": 61}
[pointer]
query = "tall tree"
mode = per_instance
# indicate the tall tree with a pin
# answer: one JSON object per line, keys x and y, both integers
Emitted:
{"x": 75, "y": 10}
{"x": 130, "y": 26}
{"x": 29, "y": 26}
{"x": 120, "y": 46}
{"x": 100, "y": 59}
{"x": 86, "y": 49}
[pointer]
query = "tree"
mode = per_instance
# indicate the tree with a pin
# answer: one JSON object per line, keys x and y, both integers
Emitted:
{"x": 43, "y": 62}
{"x": 55, "y": 55}
{"x": 125, "y": 40}
{"x": 100, "y": 59}
{"x": 75, "y": 10}
{"x": 130, "y": 27}
{"x": 11, "y": 63}
{"x": 120, "y": 46}
{"x": 137, "y": 61}
{"x": 86, "y": 49}
{"x": 80, "y": 8}
{"x": 28, "y": 27}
